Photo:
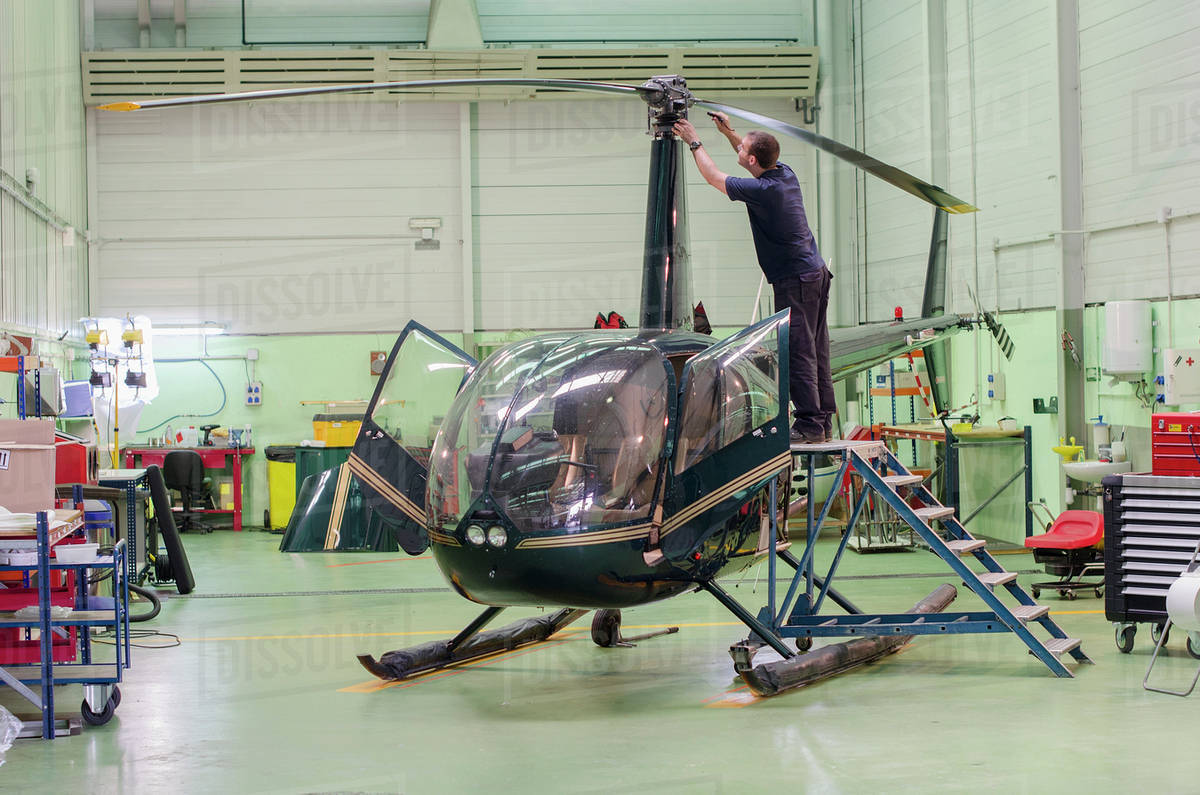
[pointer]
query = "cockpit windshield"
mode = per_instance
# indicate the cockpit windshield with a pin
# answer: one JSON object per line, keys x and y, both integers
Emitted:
{"x": 458, "y": 463}
{"x": 583, "y": 440}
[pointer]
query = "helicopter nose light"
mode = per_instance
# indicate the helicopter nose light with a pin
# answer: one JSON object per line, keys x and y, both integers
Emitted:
{"x": 497, "y": 536}
{"x": 475, "y": 535}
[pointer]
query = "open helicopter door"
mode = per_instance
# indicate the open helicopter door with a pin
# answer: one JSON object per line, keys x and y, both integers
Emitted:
{"x": 732, "y": 435}
{"x": 390, "y": 459}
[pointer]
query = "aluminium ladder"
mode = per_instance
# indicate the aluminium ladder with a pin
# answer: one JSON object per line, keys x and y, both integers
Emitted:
{"x": 883, "y": 473}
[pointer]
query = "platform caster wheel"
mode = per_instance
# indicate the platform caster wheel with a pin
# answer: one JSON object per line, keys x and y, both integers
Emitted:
{"x": 606, "y": 628}
{"x": 1191, "y": 648}
{"x": 103, "y": 716}
{"x": 115, "y": 696}
{"x": 1099, "y": 593}
{"x": 1037, "y": 592}
{"x": 1156, "y": 631}
{"x": 1068, "y": 595}
{"x": 803, "y": 644}
{"x": 1124, "y": 639}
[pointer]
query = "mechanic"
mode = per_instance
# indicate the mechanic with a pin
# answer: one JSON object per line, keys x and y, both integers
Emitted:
{"x": 788, "y": 256}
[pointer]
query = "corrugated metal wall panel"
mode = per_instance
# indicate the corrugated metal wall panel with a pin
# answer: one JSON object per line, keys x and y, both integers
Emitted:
{"x": 280, "y": 217}
{"x": 1139, "y": 74}
{"x": 217, "y": 23}
{"x": 43, "y": 281}
{"x": 894, "y": 232}
{"x": 1004, "y": 145}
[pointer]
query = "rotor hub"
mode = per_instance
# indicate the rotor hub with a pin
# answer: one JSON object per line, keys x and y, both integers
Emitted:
{"x": 667, "y": 99}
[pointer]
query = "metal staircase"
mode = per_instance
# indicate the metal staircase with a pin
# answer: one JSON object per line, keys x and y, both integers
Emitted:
{"x": 887, "y": 476}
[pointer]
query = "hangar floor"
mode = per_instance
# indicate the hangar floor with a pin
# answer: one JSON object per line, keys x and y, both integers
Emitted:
{"x": 264, "y": 694}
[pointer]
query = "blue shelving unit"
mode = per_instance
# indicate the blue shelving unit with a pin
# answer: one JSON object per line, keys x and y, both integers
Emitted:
{"x": 100, "y": 680}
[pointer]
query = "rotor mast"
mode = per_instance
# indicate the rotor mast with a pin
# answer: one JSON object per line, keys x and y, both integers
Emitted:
{"x": 666, "y": 267}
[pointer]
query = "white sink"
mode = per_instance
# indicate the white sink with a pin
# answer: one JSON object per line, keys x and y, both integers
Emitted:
{"x": 1094, "y": 471}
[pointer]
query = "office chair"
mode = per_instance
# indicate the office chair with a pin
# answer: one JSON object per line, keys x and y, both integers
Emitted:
{"x": 183, "y": 471}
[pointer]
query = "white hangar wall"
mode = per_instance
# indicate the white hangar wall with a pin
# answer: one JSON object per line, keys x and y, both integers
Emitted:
{"x": 294, "y": 216}
{"x": 965, "y": 94}
{"x": 43, "y": 187}
{"x": 218, "y": 23}
{"x": 279, "y": 217}
{"x": 1138, "y": 84}
{"x": 1140, "y": 102}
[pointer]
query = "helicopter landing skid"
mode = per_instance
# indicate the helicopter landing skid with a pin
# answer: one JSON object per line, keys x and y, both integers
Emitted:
{"x": 470, "y": 644}
{"x": 771, "y": 678}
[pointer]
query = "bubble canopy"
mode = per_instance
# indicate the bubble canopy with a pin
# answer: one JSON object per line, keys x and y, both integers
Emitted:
{"x": 563, "y": 431}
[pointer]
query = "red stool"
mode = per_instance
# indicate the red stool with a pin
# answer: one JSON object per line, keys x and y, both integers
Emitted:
{"x": 1073, "y": 548}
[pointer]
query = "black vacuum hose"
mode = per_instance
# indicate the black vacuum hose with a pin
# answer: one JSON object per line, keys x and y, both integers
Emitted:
{"x": 155, "y": 603}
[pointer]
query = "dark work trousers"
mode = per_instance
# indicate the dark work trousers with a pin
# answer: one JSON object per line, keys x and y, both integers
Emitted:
{"x": 808, "y": 352}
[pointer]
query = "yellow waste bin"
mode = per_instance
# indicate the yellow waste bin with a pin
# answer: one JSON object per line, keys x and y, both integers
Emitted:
{"x": 281, "y": 486}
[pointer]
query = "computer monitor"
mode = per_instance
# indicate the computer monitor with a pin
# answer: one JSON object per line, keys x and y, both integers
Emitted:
{"x": 77, "y": 399}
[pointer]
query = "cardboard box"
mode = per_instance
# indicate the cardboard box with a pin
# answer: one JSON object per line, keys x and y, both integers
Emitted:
{"x": 27, "y": 465}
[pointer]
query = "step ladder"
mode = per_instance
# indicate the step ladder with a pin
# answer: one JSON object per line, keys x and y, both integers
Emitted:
{"x": 884, "y": 474}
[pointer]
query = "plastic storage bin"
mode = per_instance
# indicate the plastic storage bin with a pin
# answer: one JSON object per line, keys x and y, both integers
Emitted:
{"x": 337, "y": 430}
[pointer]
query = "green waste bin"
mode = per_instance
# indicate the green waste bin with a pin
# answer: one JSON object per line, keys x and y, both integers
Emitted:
{"x": 281, "y": 485}
{"x": 315, "y": 460}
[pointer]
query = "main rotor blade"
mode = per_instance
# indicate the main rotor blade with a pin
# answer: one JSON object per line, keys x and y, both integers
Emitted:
{"x": 901, "y": 179}
{"x": 277, "y": 93}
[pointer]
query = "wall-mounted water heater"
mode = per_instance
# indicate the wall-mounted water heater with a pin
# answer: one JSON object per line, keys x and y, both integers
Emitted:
{"x": 1128, "y": 339}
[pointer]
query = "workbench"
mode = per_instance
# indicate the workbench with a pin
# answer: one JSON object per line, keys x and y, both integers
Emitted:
{"x": 213, "y": 458}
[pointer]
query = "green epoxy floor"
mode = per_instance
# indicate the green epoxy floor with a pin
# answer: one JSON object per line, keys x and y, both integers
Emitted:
{"x": 265, "y": 695}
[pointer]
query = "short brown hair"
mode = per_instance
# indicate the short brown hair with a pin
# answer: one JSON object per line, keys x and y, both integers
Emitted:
{"x": 763, "y": 146}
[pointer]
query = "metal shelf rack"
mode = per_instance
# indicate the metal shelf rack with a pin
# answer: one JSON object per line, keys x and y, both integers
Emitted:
{"x": 100, "y": 680}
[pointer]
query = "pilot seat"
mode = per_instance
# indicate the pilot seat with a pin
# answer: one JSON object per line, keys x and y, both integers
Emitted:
{"x": 1072, "y": 549}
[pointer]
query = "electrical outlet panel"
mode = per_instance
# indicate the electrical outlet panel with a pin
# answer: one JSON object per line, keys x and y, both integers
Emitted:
{"x": 254, "y": 393}
{"x": 252, "y": 354}
{"x": 995, "y": 386}
{"x": 1180, "y": 381}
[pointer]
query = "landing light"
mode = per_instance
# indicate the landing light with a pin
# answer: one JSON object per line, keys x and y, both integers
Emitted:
{"x": 475, "y": 535}
{"x": 497, "y": 536}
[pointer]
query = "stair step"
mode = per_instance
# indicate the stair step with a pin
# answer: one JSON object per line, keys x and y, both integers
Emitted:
{"x": 994, "y": 578}
{"x": 1030, "y": 612}
{"x": 895, "y": 481}
{"x": 964, "y": 546}
{"x": 1061, "y": 646}
{"x": 927, "y": 515}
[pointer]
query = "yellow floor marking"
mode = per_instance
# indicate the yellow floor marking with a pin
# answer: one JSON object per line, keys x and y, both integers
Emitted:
{"x": 369, "y": 562}
{"x": 442, "y": 632}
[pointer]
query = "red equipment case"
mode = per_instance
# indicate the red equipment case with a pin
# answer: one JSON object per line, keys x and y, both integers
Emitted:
{"x": 1175, "y": 443}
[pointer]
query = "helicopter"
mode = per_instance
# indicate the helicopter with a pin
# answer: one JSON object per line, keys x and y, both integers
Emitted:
{"x": 596, "y": 470}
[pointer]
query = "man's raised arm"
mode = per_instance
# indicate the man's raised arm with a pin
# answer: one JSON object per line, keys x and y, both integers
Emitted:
{"x": 708, "y": 169}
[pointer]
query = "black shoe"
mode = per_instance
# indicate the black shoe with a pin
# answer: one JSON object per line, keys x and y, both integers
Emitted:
{"x": 798, "y": 437}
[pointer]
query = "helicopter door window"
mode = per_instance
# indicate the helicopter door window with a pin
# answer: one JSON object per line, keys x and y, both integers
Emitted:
{"x": 411, "y": 416}
{"x": 727, "y": 394}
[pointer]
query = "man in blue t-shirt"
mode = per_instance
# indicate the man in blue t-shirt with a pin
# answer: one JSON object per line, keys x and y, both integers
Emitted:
{"x": 788, "y": 256}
